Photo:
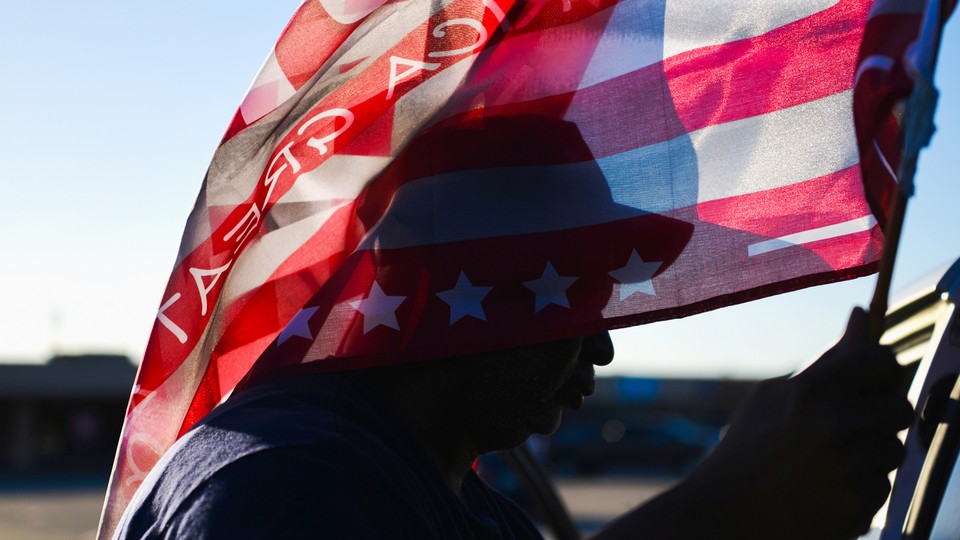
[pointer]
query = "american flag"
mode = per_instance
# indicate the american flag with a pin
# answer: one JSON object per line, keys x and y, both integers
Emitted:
{"x": 409, "y": 180}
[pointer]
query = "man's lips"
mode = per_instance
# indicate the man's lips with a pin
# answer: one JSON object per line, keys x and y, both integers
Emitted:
{"x": 586, "y": 385}
{"x": 575, "y": 390}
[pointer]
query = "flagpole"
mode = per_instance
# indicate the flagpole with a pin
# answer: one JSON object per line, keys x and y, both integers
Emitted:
{"x": 917, "y": 129}
{"x": 881, "y": 293}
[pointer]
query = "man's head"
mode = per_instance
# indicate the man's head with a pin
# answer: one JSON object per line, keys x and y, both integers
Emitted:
{"x": 514, "y": 393}
{"x": 496, "y": 400}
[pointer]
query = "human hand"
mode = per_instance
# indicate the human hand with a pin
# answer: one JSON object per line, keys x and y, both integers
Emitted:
{"x": 808, "y": 456}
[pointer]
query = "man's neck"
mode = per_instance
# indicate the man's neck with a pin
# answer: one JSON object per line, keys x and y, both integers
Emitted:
{"x": 424, "y": 400}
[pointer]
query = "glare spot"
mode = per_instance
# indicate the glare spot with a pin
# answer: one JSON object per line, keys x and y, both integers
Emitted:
{"x": 613, "y": 431}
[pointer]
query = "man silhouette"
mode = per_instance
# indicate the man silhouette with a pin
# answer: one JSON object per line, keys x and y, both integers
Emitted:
{"x": 387, "y": 452}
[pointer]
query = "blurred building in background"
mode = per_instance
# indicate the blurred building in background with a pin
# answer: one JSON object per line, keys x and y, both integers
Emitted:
{"x": 62, "y": 419}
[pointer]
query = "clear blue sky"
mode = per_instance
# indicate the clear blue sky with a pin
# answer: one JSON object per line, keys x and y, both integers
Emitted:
{"x": 113, "y": 109}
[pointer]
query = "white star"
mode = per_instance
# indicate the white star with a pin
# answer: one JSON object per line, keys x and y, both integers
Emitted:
{"x": 378, "y": 309}
{"x": 464, "y": 299}
{"x": 299, "y": 325}
{"x": 550, "y": 288}
{"x": 636, "y": 276}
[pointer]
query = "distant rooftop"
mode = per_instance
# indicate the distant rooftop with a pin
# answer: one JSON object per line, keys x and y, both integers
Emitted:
{"x": 79, "y": 376}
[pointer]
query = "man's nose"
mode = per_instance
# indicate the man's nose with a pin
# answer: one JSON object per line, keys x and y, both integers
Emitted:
{"x": 597, "y": 349}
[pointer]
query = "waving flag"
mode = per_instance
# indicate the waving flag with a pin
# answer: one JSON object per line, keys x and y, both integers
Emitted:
{"x": 895, "y": 65}
{"x": 412, "y": 180}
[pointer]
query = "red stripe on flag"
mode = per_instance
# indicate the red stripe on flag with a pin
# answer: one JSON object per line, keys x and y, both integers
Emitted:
{"x": 884, "y": 34}
{"x": 540, "y": 15}
{"x": 849, "y": 250}
{"x": 821, "y": 202}
{"x": 310, "y": 31}
{"x": 813, "y": 58}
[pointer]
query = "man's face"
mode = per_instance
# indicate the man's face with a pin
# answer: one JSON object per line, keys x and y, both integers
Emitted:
{"x": 513, "y": 393}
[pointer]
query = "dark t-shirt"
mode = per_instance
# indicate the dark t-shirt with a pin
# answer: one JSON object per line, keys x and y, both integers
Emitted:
{"x": 311, "y": 457}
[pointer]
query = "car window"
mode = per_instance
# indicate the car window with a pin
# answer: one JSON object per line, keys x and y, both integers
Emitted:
{"x": 947, "y": 524}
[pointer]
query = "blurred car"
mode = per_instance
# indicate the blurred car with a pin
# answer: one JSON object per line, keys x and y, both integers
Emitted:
{"x": 614, "y": 440}
{"x": 923, "y": 329}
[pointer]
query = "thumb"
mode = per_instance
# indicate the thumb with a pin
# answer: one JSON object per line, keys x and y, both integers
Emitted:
{"x": 857, "y": 326}
{"x": 837, "y": 362}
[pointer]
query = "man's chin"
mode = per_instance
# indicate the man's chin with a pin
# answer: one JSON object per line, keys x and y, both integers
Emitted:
{"x": 504, "y": 437}
{"x": 549, "y": 423}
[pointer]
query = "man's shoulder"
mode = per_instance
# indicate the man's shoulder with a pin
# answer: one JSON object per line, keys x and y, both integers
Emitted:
{"x": 286, "y": 491}
{"x": 311, "y": 455}
{"x": 270, "y": 445}
{"x": 262, "y": 421}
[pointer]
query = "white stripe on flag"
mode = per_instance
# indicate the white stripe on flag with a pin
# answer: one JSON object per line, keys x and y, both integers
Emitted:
{"x": 300, "y": 213}
{"x": 268, "y": 91}
{"x": 763, "y": 152}
{"x": 270, "y": 251}
{"x": 484, "y": 203}
{"x": 341, "y": 177}
{"x": 424, "y": 100}
{"x": 776, "y": 149}
{"x": 691, "y": 24}
{"x": 864, "y": 223}
{"x": 343, "y": 13}
{"x": 747, "y": 156}
{"x": 642, "y": 32}
{"x": 876, "y": 61}
{"x": 883, "y": 159}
